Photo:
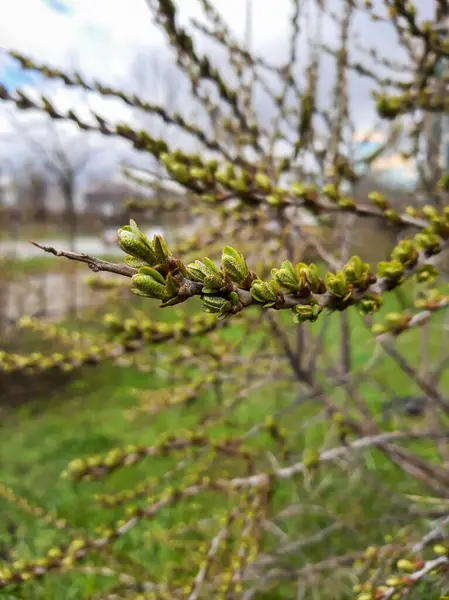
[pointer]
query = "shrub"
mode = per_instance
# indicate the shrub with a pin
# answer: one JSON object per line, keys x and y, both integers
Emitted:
{"x": 284, "y": 350}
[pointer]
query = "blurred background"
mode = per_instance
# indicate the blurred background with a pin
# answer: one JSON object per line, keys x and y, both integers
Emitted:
{"x": 68, "y": 188}
{"x": 71, "y": 189}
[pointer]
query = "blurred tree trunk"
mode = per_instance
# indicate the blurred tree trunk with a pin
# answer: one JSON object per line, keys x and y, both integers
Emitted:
{"x": 68, "y": 190}
{"x": 71, "y": 222}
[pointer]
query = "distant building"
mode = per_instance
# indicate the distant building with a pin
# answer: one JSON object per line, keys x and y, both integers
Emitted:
{"x": 436, "y": 125}
{"x": 304, "y": 217}
{"x": 8, "y": 191}
{"x": 390, "y": 168}
{"x": 109, "y": 198}
{"x": 39, "y": 198}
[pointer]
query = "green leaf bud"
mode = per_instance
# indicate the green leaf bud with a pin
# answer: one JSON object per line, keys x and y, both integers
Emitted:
{"x": 313, "y": 278}
{"x": 229, "y": 171}
{"x": 405, "y": 565}
{"x": 429, "y": 211}
{"x": 132, "y": 241}
{"x": 347, "y": 203}
{"x": 148, "y": 283}
{"x": 234, "y": 265}
{"x": 395, "y": 321}
{"x": 426, "y": 273}
{"x": 207, "y": 273}
{"x": 136, "y": 263}
{"x": 180, "y": 172}
{"x": 378, "y": 199}
{"x": 392, "y": 216}
{"x": 160, "y": 249}
{"x": 274, "y": 199}
{"x": 405, "y": 252}
{"x": 311, "y": 458}
{"x": 411, "y": 211}
{"x": 233, "y": 297}
{"x": 212, "y": 165}
{"x": 172, "y": 286}
{"x": 239, "y": 185}
{"x": 197, "y": 271}
{"x": 378, "y": 329}
{"x": 265, "y": 292}
{"x": 330, "y": 191}
{"x": 356, "y": 271}
{"x": 211, "y": 266}
{"x": 263, "y": 181}
{"x": 306, "y": 312}
{"x": 429, "y": 242}
{"x": 337, "y": 285}
{"x": 393, "y": 271}
{"x": 216, "y": 305}
{"x": 370, "y": 304}
{"x": 199, "y": 174}
{"x": 287, "y": 277}
{"x": 298, "y": 189}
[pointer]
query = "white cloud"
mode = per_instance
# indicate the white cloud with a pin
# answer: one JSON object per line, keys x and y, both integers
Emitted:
{"x": 101, "y": 37}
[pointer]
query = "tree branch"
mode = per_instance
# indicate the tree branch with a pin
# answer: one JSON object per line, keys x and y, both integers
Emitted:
{"x": 96, "y": 264}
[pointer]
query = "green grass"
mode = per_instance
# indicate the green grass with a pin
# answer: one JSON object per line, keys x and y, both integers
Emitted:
{"x": 35, "y": 231}
{"x": 88, "y": 416}
{"x": 39, "y": 265}
{"x": 34, "y": 265}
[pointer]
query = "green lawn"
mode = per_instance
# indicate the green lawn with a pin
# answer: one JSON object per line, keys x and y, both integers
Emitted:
{"x": 89, "y": 416}
{"x": 37, "y": 265}
{"x": 34, "y": 231}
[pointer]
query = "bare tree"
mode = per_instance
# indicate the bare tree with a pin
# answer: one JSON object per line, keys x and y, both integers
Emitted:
{"x": 153, "y": 77}
{"x": 64, "y": 160}
{"x": 326, "y": 408}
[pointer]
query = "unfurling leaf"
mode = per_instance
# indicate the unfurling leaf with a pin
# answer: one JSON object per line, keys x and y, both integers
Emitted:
{"x": 149, "y": 283}
{"x": 139, "y": 248}
{"x": 262, "y": 181}
{"x": 207, "y": 273}
{"x": 134, "y": 245}
{"x": 267, "y": 293}
{"x": 426, "y": 273}
{"x": 313, "y": 278}
{"x": 393, "y": 271}
{"x": 370, "y": 304}
{"x": 197, "y": 271}
{"x": 132, "y": 241}
{"x": 356, "y": 271}
{"x": 234, "y": 265}
{"x": 160, "y": 249}
{"x": 172, "y": 286}
{"x": 406, "y": 253}
{"x": 287, "y": 277}
{"x": 429, "y": 242}
{"x": 306, "y": 312}
{"x": 134, "y": 262}
{"x": 216, "y": 305}
{"x": 337, "y": 285}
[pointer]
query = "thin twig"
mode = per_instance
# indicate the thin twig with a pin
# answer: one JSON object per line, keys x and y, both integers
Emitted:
{"x": 96, "y": 264}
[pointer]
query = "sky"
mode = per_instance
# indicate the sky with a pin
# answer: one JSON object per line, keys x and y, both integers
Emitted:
{"x": 103, "y": 35}
{"x": 101, "y": 38}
